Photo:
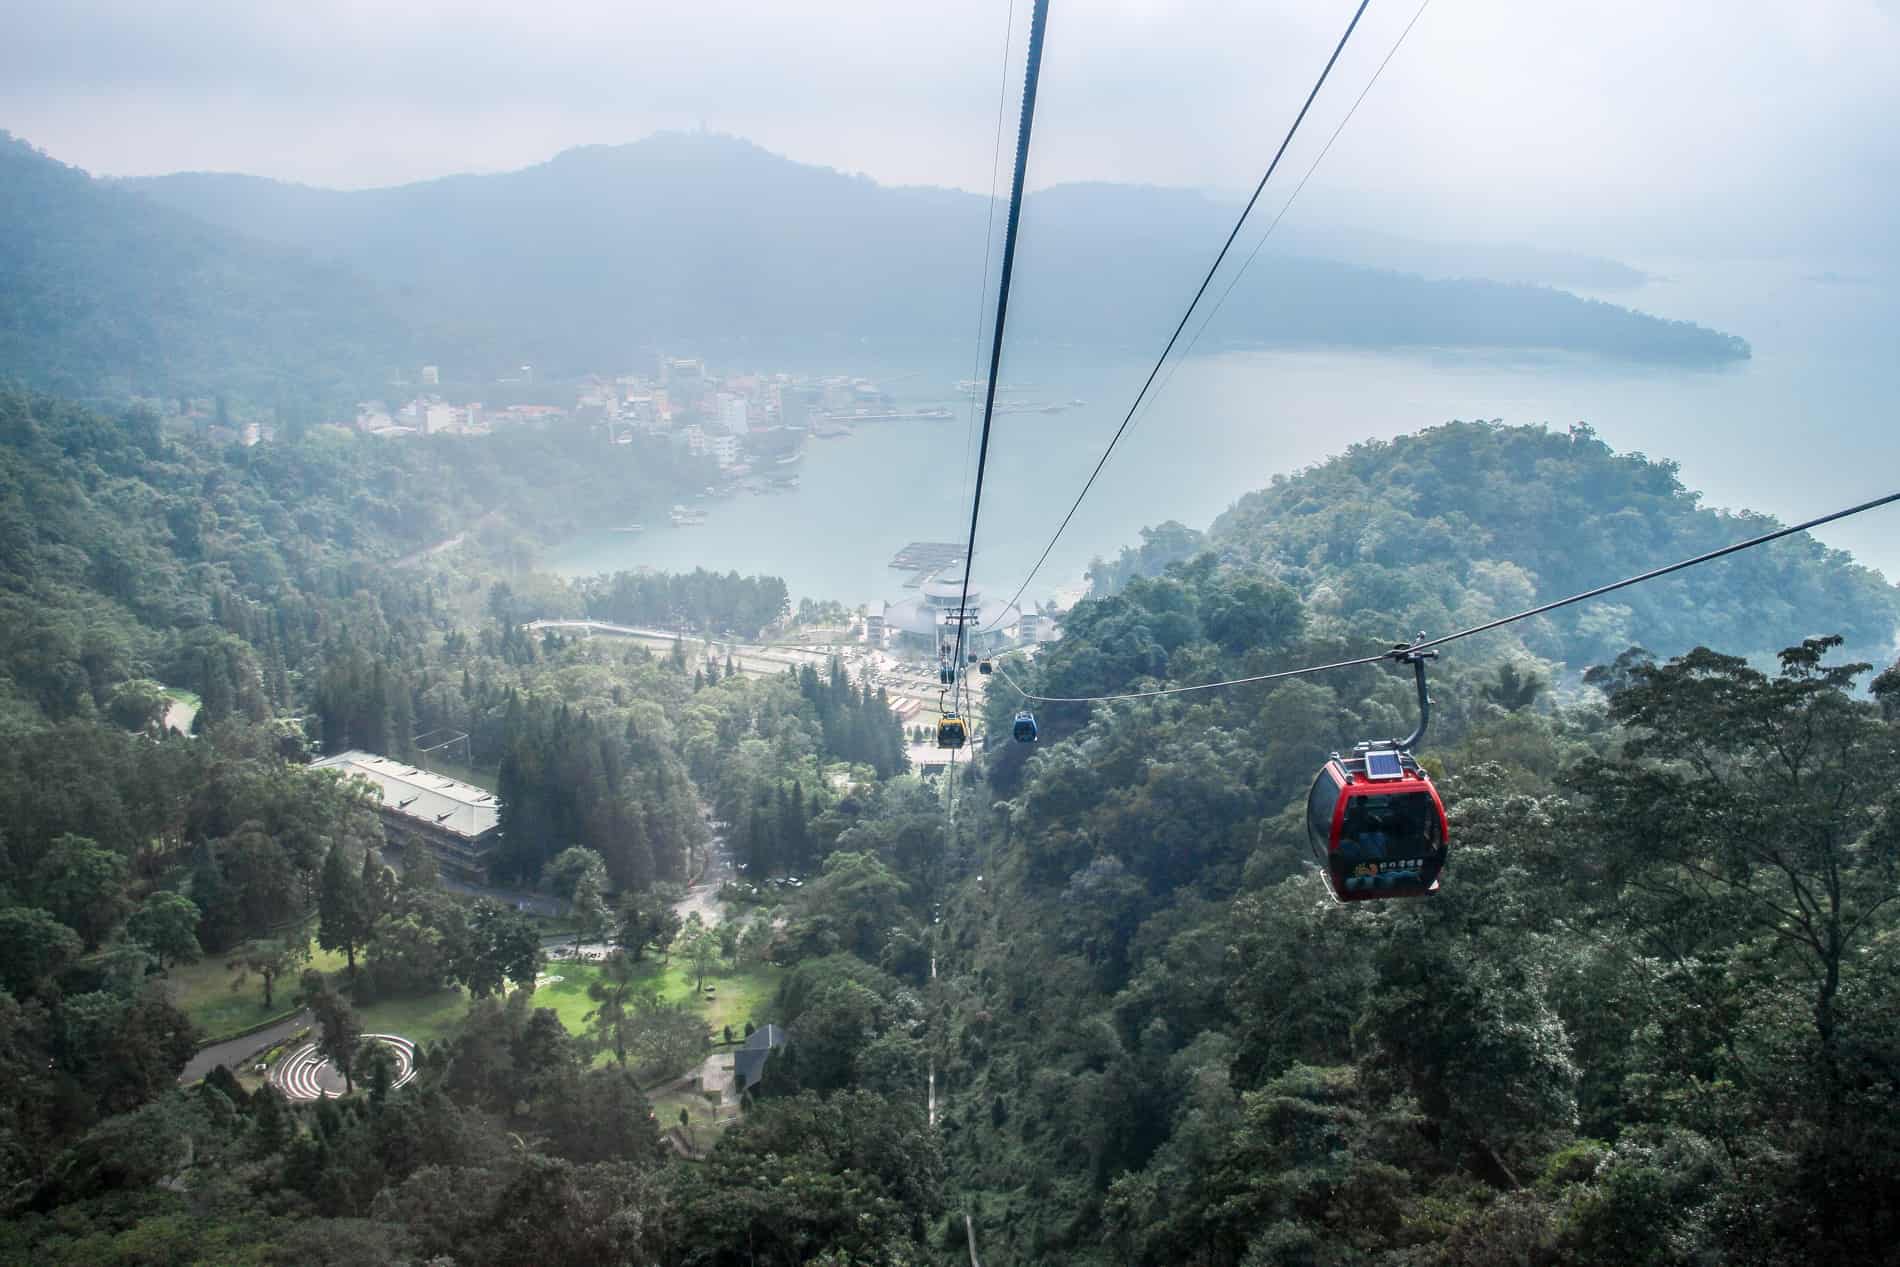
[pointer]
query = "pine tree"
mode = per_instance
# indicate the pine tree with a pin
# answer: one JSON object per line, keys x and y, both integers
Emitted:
{"x": 339, "y": 1034}
{"x": 343, "y": 907}
{"x": 271, "y": 1122}
{"x": 215, "y": 899}
{"x": 375, "y": 886}
{"x": 799, "y": 846}
{"x": 786, "y": 830}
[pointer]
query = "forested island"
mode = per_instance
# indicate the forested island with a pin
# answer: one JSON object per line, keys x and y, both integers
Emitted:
{"x": 1083, "y": 1001}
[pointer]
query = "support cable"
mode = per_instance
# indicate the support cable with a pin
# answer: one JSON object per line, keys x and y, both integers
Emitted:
{"x": 1280, "y": 215}
{"x": 1410, "y": 649}
{"x": 1037, "y": 25}
{"x": 989, "y": 246}
{"x": 1189, "y": 313}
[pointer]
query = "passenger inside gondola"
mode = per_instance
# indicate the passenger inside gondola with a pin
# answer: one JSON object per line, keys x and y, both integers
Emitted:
{"x": 1387, "y": 843}
{"x": 1380, "y": 827}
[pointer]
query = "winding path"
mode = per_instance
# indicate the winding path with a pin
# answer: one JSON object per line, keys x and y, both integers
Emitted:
{"x": 233, "y": 1052}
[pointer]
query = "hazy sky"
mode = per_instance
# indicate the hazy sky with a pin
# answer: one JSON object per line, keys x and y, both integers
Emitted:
{"x": 1629, "y": 126}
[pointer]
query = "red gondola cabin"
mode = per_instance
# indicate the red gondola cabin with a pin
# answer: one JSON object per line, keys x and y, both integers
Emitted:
{"x": 1376, "y": 825}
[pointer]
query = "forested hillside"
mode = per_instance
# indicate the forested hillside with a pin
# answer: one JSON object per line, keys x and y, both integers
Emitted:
{"x": 1649, "y": 1018}
{"x": 106, "y": 294}
{"x": 1083, "y": 1001}
{"x": 714, "y": 241}
{"x": 1470, "y": 520}
{"x": 154, "y": 885}
{"x": 131, "y": 554}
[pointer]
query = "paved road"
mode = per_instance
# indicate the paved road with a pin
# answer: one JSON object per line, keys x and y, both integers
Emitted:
{"x": 234, "y": 1052}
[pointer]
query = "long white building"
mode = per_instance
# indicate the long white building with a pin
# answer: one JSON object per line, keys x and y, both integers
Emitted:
{"x": 457, "y": 822}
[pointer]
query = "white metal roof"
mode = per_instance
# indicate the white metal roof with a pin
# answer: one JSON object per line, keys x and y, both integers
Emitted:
{"x": 435, "y": 799}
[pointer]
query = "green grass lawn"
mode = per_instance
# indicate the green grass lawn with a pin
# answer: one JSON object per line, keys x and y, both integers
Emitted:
{"x": 203, "y": 991}
{"x": 738, "y": 997}
{"x": 420, "y": 1020}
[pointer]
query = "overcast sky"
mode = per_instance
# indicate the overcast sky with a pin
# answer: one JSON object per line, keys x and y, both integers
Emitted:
{"x": 1624, "y": 126}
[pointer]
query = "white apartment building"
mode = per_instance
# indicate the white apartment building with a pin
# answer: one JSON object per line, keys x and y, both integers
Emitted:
{"x": 732, "y": 413}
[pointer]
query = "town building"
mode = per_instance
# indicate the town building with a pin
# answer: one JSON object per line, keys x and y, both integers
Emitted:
{"x": 680, "y": 372}
{"x": 431, "y": 375}
{"x": 1037, "y": 628}
{"x": 436, "y": 416}
{"x": 458, "y": 823}
{"x": 724, "y": 450}
{"x": 733, "y": 413}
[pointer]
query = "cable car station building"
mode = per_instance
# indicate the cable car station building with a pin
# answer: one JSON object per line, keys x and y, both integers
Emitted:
{"x": 925, "y": 620}
{"x": 457, "y": 822}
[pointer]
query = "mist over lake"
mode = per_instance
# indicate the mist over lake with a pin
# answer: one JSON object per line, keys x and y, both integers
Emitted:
{"x": 1805, "y": 426}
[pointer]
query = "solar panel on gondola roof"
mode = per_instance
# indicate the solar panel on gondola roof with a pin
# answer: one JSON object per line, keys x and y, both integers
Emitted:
{"x": 1384, "y": 765}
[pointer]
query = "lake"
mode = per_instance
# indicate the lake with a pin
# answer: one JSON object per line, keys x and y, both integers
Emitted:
{"x": 1805, "y": 427}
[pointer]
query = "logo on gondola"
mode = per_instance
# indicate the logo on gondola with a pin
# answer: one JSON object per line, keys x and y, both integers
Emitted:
{"x": 1389, "y": 866}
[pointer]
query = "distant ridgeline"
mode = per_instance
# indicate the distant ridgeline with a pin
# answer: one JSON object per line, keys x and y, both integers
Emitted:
{"x": 1471, "y": 520}
{"x": 712, "y": 241}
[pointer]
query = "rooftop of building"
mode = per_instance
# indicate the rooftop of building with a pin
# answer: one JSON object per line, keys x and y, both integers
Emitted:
{"x": 447, "y": 804}
{"x": 950, "y": 587}
{"x": 748, "y": 1063}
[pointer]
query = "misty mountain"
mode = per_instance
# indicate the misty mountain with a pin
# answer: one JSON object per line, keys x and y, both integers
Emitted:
{"x": 1491, "y": 261}
{"x": 710, "y": 241}
{"x": 105, "y": 292}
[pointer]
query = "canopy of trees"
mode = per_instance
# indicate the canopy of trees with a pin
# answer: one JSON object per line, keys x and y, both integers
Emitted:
{"x": 1471, "y": 520}
{"x": 1086, "y": 995}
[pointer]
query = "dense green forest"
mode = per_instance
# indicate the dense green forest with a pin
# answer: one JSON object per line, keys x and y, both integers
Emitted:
{"x": 132, "y": 853}
{"x": 699, "y": 599}
{"x": 1461, "y": 523}
{"x": 1621, "y": 1034}
{"x": 1078, "y": 1002}
{"x": 133, "y": 554}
